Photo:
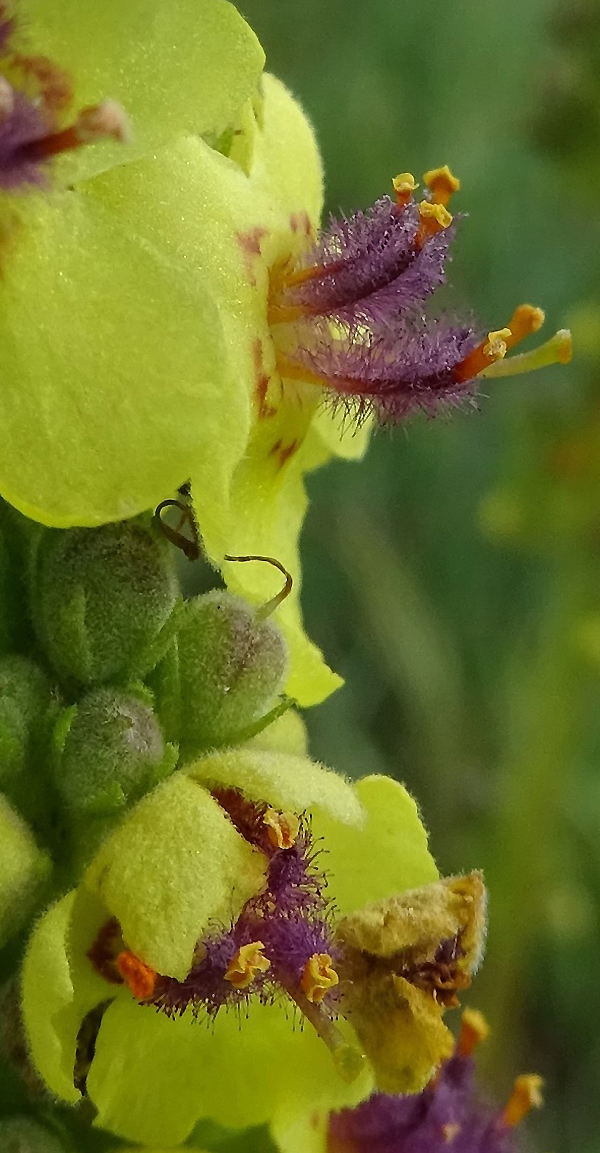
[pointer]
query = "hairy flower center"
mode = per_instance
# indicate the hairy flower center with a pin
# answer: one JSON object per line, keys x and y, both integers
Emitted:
{"x": 348, "y": 316}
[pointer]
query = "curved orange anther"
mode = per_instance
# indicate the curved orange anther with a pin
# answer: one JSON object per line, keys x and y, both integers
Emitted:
{"x": 434, "y": 218}
{"x": 526, "y": 1095}
{"x": 318, "y": 977}
{"x": 139, "y": 977}
{"x": 442, "y": 184}
{"x": 473, "y": 1030}
{"x": 489, "y": 350}
{"x": 404, "y": 186}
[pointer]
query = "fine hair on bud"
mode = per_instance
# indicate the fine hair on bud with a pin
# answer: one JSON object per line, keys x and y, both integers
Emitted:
{"x": 111, "y": 751}
{"x": 100, "y": 598}
{"x": 232, "y": 666}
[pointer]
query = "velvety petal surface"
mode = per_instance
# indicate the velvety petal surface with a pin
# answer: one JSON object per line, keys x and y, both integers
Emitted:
{"x": 170, "y": 869}
{"x": 59, "y": 986}
{"x": 111, "y": 361}
{"x": 230, "y": 222}
{"x": 176, "y": 67}
{"x": 283, "y": 780}
{"x": 387, "y": 855}
{"x": 152, "y": 1078}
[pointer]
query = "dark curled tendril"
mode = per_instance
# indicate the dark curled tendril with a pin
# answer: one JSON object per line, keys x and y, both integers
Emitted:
{"x": 268, "y": 608}
{"x": 190, "y": 547}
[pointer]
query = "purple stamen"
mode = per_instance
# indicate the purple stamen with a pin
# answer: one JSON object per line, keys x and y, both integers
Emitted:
{"x": 367, "y": 268}
{"x": 392, "y": 374}
{"x": 449, "y": 1114}
{"x": 289, "y": 919}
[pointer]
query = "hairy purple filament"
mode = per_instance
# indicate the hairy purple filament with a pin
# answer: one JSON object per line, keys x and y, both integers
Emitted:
{"x": 392, "y": 374}
{"x": 367, "y": 268}
{"x": 289, "y": 918}
{"x": 356, "y": 305}
{"x": 448, "y": 1114}
{"x": 20, "y": 127}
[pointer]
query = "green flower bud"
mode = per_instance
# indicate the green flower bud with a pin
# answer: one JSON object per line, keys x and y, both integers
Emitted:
{"x": 23, "y": 1135}
{"x": 26, "y": 702}
{"x": 101, "y": 598}
{"x": 231, "y": 664}
{"x": 24, "y": 870}
{"x": 111, "y": 752}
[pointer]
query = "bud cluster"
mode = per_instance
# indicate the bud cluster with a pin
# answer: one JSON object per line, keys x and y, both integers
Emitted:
{"x": 113, "y": 683}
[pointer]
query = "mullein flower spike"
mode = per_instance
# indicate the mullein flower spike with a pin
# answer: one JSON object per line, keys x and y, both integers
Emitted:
{"x": 219, "y": 937}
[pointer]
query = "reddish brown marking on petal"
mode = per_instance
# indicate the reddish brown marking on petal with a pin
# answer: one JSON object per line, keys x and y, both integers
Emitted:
{"x": 261, "y": 387}
{"x": 300, "y": 222}
{"x": 250, "y": 244}
{"x": 283, "y": 452}
{"x": 53, "y": 83}
{"x": 103, "y": 952}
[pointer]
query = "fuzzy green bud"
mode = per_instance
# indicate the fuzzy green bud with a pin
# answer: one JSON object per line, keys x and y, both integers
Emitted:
{"x": 111, "y": 752}
{"x": 101, "y": 598}
{"x": 26, "y": 704}
{"x": 24, "y": 869}
{"x": 232, "y": 664}
{"x": 24, "y": 1135}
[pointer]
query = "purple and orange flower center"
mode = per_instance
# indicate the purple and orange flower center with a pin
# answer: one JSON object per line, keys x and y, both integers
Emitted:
{"x": 281, "y": 943}
{"x": 36, "y": 96}
{"x": 348, "y": 315}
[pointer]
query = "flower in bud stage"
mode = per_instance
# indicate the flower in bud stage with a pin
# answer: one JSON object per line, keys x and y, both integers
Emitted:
{"x": 232, "y": 665}
{"x": 112, "y": 751}
{"x": 215, "y": 902}
{"x": 27, "y": 707}
{"x": 24, "y": 871}
{"x": 100, "y": 598}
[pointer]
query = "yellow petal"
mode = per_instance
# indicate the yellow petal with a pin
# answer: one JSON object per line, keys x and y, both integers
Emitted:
{"x": 283, "y": 781}
{"x": 186, "y": 66}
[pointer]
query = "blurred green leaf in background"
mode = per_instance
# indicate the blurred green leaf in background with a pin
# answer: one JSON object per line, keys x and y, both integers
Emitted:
{"x": 454, "y": 579}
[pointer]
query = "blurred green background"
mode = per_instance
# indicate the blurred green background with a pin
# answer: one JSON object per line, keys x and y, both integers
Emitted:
{"x": 454, "y": 577}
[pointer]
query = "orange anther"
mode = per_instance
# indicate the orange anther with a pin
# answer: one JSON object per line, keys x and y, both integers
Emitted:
{"x": 140, "y": 978}
{"x": 526, "y": 1095}
{"x": 318, "y": 976}
{"x": 282, "y": 828}
{"x": 489, "y": 350}
{"x": 404, "y": 186}
{"x": 497, "y": 343}
{"x": 524, "y": 320}
{"x": 473, "y": 1030}
{"x": 434, "y": 218}
{"x": 247, "y": 962}
{"x": 449, "y": 1131}
{"x": 442, "y": 183}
